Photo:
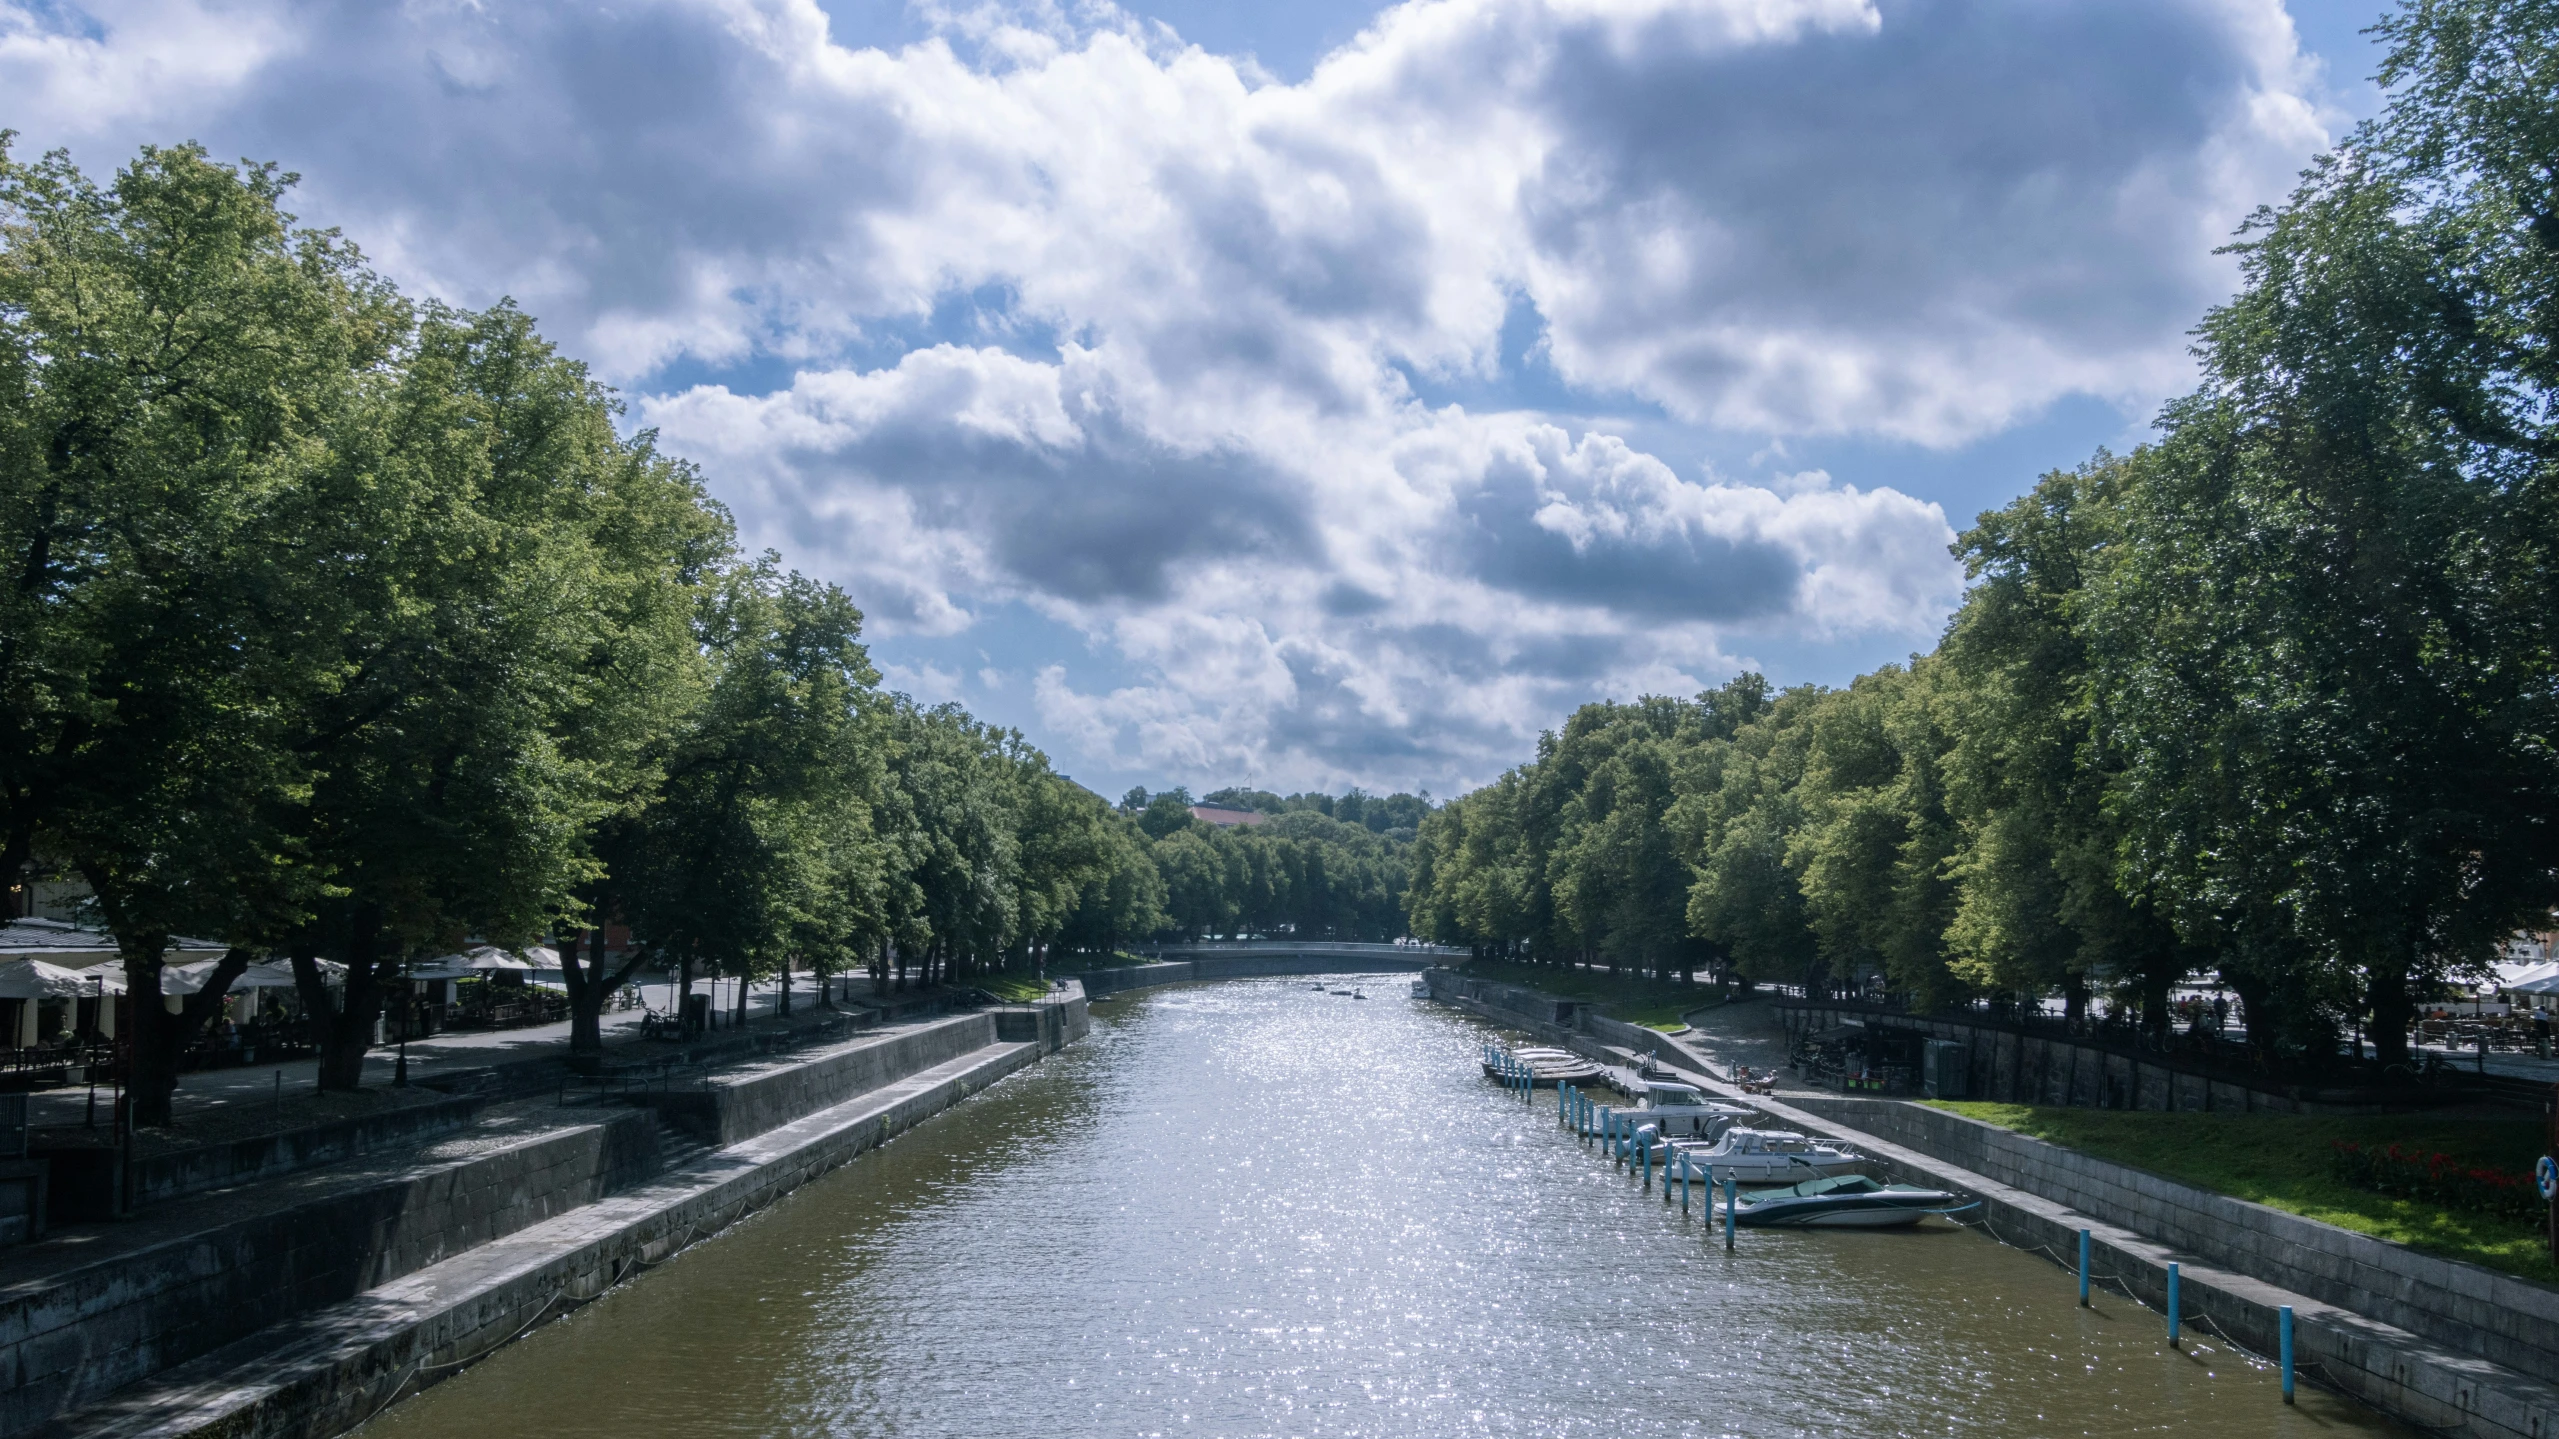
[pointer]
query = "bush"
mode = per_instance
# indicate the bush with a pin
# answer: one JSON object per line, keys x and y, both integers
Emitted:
{"x": 2437, "y": 1179}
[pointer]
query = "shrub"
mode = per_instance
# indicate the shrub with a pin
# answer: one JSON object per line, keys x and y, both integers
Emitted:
{"x": 2436, "y": 1179}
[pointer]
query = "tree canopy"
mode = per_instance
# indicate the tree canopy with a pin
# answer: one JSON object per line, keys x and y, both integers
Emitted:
{"x": 2270, "y": 697}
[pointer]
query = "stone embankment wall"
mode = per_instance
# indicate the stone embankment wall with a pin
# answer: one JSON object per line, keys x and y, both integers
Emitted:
{"x": 2450, "y": 1384}
{"x": 2505, "y": 1320}
{"x": 71, "y": 1335}
{"x": 1566, "y": 1023}
{"x": 740, "y": 1105}
{"x": 213, "y": 1166}
{"x": 332, "y": 1307}
{"x": 2025, "y": 1068}
{"x": 331, "y": 1371}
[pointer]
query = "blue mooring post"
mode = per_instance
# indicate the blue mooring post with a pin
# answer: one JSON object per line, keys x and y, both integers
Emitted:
{"x": 1684, "y": 1167}
{"x": 1729, "y": 1209}
{"x": 1607, "y": 1126}
{"x": 1646, "y": 1146}
{"x": 2083, "y": 1269}
{"x": 2283, "y": 1327}
{"x": 2172, "y": 1306}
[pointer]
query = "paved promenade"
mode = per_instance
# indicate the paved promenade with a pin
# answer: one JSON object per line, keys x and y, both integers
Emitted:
{"x": 218, "y": 1089}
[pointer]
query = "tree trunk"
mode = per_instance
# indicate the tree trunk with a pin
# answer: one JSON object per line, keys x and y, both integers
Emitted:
{"x": 590, "y": 986}
{"x": 2392, "y": 1012}
{"x": 2154, "y": 998}
{"x": 586, "y": 1028}
{"x": 684, "y": 996}
{"x": 160, "y": 1039}
{"x": 341, "y": 1026}
{"x": 782, "y": 1006}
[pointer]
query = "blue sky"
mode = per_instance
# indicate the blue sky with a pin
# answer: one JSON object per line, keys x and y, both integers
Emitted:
{"x": 1299, "y": 395}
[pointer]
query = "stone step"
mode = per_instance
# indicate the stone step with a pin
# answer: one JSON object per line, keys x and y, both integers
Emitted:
{"x": 94, "y": 1307}
{"x": 330, "y": 1370}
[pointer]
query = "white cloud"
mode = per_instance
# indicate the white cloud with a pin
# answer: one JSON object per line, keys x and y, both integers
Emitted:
{"x": 1121, "y": 330}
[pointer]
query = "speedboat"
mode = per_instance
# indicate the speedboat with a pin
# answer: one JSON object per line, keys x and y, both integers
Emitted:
{"x": 1761, "y": 1156}
{"x": 1847, "y": 1201}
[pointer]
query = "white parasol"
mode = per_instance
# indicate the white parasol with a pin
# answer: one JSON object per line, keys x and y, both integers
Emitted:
{"x": 35, "y": 979}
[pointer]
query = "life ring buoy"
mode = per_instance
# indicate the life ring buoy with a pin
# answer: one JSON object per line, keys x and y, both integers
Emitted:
{"x": 2545, "y": 1176}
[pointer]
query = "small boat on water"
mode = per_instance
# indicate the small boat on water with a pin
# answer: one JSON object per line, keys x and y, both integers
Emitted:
{"x": 1421, "y": 990}
{"x": 1847, "y": 1201}
{"x": 1547, "y": 1067}
{"x": 1759, "y": 1156}
{"x": 1670, "y": 1109}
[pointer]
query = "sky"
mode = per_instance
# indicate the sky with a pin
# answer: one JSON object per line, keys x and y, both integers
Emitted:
{"x": 1297, "y": 395}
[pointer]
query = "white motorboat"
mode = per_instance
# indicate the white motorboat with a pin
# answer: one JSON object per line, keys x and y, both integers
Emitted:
{"x": 1847, "y": 1201}
{"x": 1672, "y": 1109}
{"x": 1759, "y": 1156}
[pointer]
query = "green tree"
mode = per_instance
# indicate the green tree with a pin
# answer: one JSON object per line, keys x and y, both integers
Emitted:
{"x": 178, "y": 365}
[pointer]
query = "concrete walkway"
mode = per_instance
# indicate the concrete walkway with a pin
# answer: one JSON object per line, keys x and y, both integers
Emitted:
{"x": 217, "y": 1089}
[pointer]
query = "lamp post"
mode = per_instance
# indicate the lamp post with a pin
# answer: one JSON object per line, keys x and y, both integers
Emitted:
{"x": 408, "y": 1006}
{"x": 91, "y": 1121}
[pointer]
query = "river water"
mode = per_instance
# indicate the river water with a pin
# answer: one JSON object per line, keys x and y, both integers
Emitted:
{"x": 1252, "y": 1208}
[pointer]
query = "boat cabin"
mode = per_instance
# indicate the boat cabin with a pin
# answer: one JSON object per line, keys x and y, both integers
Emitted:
{"x": 1682, "y": 1111}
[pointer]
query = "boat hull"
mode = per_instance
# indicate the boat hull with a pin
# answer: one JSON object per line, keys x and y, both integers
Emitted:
{"x": 1547, "y": 1077}
{"x": 1845, "y": 1215}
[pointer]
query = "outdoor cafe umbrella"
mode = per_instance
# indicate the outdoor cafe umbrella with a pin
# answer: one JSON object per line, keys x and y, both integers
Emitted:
{"x": 2517, "y": 974}
{"x": 274, "y": 974}
{"x": 35, "y": 979}
{"x": 483, "y": 959}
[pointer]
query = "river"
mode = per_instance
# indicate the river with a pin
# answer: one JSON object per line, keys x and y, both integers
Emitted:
{"x": 1250, "y": 1208}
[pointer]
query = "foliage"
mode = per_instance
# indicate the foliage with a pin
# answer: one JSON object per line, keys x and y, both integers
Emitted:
{"x": 1321, "y": 866}
{"x": 2270, "y": 697}
{"x": 2435, "y": 1178}
{"x": 1636, "y": 999}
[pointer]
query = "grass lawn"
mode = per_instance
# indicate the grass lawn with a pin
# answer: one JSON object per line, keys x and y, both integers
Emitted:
{"x": 2281, "y": 1161}
{"x": 1635, "y": 999}
{"x": 1014, "y": 986}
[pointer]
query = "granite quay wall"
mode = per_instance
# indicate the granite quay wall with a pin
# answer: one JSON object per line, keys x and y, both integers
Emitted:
{"x": 1566, "y": 1023}
{"x": 214, "y": 1166}
{"x": 2500, "y": 1318}
{"x": 1052, "y": 1023}
{"x": 741, "y": 1105}
{"x": 69, "y": 1336}
{"x": 2451, "y": 1388}
{"x": 2026, "y": 1067}
{"x": 332, "y": 1370}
